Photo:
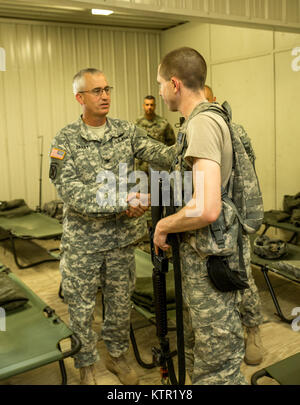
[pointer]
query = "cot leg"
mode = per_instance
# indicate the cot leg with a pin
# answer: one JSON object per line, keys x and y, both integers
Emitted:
{"x": 63, "y": 372}
{"x": 60, "y": 291}
{"x": 136, "y": 351}
{"x": 265, "y": 230}
{"x": 11, "y": 237}
{"x": 272, "y": 292}
{"x": 293, "y": 238}
{"x": 256, "y": 376}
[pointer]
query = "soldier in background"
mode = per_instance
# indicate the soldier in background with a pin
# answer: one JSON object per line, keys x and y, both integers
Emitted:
{"x": 251, "y": 305}
{"x": 156, "y": 127}
{"x": 99, "y": 236}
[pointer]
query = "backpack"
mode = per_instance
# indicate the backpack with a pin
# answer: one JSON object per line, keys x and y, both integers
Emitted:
{"x": 243, "y": 188}
{"x": 243, "y": 195}
{"x": 223, "y": 241}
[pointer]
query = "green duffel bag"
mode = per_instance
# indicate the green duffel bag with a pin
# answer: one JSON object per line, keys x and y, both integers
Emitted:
{"x": 11, "y": 295}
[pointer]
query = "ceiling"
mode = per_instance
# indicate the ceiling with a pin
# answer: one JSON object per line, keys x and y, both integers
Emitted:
{"x": 80, "y": 13}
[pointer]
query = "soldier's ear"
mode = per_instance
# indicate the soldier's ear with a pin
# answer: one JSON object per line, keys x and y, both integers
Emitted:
{"x": 175, "y": 83}
{"x": 79, "y": 98}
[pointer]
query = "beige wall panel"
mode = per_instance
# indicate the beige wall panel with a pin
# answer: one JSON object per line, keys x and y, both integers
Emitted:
{"x": 235, "y": 42}
{"x": 254, "y": 73}
{"x": 285, "y": 40}
{"x": 153, "y": 65}
{"x": 288, "y": 127}
{"x": 251, "y": 97}
{"x": 29, "y": 130}
{"x": 13, "y": 114}
{"x": 37, "y": 99}
{"x": 194, "y": 35}
{"x": 5, "y": 185}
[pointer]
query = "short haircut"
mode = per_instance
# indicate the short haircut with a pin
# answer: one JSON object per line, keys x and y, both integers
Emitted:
{"x": 79, "y": 81}
{"x": 187, "y": 64}
{"x": 150, "y": 98}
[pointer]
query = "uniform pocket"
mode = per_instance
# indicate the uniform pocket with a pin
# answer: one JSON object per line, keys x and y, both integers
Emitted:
{"x": 116, "y": 151}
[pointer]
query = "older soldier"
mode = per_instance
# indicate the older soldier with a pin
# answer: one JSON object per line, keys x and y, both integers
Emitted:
{"x": 213, "y": 330}
{"x": 251, "y": 305}
{"x": 100, "y": 228}
{"x": 156, "y": 127}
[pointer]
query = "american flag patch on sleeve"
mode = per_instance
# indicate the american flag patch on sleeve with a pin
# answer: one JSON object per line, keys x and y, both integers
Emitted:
{"x": 57, "y": 153}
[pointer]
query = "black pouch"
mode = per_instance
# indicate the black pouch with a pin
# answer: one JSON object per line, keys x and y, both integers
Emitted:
{"x": 222, "y": 277}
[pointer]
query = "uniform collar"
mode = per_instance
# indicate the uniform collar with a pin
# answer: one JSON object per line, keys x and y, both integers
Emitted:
{"x": 153, "y": 119}
{"x": 111, "y": 131}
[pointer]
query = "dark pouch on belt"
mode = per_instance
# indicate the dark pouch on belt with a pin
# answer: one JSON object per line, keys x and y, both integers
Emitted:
{"x": 222, "y": 277}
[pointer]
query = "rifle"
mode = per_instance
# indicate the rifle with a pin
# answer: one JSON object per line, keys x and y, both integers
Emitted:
{"x": 162, "y": 356}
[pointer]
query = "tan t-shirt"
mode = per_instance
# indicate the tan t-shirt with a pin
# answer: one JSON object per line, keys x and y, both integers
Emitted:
{"x": 209, "y": 138}
{"x": 98, "y": 131}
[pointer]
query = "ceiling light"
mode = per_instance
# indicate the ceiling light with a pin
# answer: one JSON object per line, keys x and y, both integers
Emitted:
{"x": 97, "y": 11}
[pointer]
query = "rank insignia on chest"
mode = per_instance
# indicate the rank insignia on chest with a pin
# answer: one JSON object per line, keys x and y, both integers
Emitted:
{"x": 57, "y": 153}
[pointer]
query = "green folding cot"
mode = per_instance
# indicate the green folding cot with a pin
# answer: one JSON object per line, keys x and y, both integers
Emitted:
{"x": 287, "y": 267}
{"x": 285, "y": 372}
{"x": 143, "y": 297}
{"x": 32, "y": 225}
{"x": 30, "y": 336}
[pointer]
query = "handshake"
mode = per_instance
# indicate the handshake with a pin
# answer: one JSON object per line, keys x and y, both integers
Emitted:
{"x": 138, "y": 204}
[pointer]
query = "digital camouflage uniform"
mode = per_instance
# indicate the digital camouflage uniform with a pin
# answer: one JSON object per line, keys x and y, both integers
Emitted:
{"x": 251, "y": 305}
{"x": 214, "y": 338}
{"x": 158, "y": 128}
{"x": 97, "y": 242}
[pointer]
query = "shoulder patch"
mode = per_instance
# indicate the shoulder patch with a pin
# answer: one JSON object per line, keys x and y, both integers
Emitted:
{"x": 57, "y": 153}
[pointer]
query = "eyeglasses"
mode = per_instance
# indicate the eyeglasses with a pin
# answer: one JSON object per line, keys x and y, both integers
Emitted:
{"x": 98, "y": 91}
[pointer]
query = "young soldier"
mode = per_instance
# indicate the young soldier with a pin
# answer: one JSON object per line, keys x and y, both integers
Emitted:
{"x": 213, "y": 331}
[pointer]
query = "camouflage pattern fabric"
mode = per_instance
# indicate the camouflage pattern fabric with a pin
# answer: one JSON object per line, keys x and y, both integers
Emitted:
{"x": 250, "y": 306}
{"x": 291, "y": 268}
{"x": 97, "y": 242}
{"x": 295, "y": 218}
{"x": 54, "y": 209}
{"x": 87, "y": 228}
{"x": 159, "y": 129}
{"x": 240, "y": 130}
{"x": 214, "y": 338}
{"x": 290, "y": 202}
{"x": 82, "y": 274}
{"x": 269, "y": 248}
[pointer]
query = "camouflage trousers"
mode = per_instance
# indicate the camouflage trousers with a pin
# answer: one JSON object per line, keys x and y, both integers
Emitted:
{"x": 82, "y": 274}
{"x": 214, "y": 338}
{"x": 250, "y": 306}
